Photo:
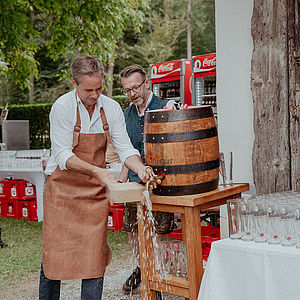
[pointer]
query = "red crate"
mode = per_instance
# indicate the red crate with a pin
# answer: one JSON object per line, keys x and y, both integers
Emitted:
{"x": 116, "y": 205}
{"x": 209, "y": 231}
{"x": 27, "y": 209}
{"x": 20, "y": 189}
{"x": 206, "y": 245}
{"x": 175, "y": 234}
{"x": 13, "y": 189}
{"x": 116, "y": 219}
{"x": 2, "y": 207}
{"x": 209, "y": 234}
{"x": 27, "y": 190}
{"x": 3, "y": 189}
{"x": 10, "y": 208}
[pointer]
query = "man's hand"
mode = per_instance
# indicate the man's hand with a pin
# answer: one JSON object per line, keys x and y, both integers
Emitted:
{"x": 105, "y": 177}
{"x": 143, "y": 174}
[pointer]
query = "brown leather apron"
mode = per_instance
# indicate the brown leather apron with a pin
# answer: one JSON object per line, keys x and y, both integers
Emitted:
{"x": 76, "y": 214}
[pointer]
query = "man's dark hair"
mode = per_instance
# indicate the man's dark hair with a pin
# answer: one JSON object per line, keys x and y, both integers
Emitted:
{"x": 128, "y": 71}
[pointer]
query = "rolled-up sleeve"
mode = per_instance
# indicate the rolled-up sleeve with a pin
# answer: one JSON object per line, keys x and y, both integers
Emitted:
{"x": 61, "y": 134}
{"x": 120, "y": 137}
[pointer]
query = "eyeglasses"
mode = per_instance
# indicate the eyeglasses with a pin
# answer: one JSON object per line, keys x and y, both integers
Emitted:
{"x": 135, "y": 89}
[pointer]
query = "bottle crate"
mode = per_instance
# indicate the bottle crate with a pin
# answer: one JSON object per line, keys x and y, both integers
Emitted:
{"x": 10, "y": 208}
{"x": 20, "y": 189}
{"x": 3, "y": 207}
{"x": 27, "y": 209}
{"x": 116, "y": 219}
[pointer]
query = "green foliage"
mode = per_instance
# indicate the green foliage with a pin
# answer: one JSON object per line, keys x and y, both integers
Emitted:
{"x": 163, "y": 35}
{"x": 202, "y": 29}
{"x": 38, "y": 116}
{"x": 122, "y": 100}
{"x": 41, "y": 38}
{"x": 163, "y": 24}
{"x": 88, "y": 26}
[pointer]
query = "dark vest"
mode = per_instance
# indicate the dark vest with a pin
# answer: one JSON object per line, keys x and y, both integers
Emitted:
{"x": 135, "y": 128}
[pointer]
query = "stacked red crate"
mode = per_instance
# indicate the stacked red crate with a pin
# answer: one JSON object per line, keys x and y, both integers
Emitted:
{"x": 209, "y": 234}
{"x": 18, "y": 199}
{"x": 116, "y": 217}
{"x": 3, "y": 198}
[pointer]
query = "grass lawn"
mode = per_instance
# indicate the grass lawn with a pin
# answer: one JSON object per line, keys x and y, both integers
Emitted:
{"x": 24, "y": 252}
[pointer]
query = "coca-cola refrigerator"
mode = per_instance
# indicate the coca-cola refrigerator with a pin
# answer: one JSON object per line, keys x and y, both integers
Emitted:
{"x": 204, "y": 80}
{"x": 171, "y": 80}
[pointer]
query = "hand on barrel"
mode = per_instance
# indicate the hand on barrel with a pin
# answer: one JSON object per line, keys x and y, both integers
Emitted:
{"x": 177, "y": 107}
{"x": 153, "y": 180}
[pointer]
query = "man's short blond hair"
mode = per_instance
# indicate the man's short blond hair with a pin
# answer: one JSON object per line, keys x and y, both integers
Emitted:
{"x": 86, "y": 65}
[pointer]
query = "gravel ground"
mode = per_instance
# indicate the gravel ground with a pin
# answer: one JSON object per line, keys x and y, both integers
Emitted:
{"x": 116, "y": 274}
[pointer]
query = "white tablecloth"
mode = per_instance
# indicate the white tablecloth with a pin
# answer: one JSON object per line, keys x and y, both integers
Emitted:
{"x": 238, "y": 270}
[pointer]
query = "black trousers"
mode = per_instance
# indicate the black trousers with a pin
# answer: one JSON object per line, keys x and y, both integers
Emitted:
{"x": 91, "y": 289}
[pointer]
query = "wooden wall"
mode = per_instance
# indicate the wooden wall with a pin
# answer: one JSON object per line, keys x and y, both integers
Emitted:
{"x": 275, "y": 92}
{"x": 294, "y": 89}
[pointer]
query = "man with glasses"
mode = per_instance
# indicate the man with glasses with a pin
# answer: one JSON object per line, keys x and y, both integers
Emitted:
{"x": 136, "y": 86}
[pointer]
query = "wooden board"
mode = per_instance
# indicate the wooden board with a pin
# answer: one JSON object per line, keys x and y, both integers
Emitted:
{"x": 125, "y": 192}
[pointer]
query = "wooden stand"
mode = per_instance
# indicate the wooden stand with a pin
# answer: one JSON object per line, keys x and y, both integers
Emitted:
{"x": 189, "y": 207}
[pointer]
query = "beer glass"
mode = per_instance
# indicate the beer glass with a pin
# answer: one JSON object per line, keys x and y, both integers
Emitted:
{"x": 260, "y": 220}
{"x": 297, "y": 224}
{"x": 273, "y": 222}
{"x": 234, "y": 218}
{"x": 226, "y": 167}
{"x": 247, "y": 220}
{"x": 287, "y": 217}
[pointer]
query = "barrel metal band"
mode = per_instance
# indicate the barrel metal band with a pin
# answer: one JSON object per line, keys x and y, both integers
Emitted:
{"x": 178, "y": 115}
{"x": 180, "y": 136}
{"x": 186, "y": 189}
{"x": 186, "y": 169}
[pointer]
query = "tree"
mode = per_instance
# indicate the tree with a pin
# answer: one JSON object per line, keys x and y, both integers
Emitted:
{"x": 88, "y": 26}
{"x": 161, "y": 30}
{"x": 164, "y": 34}
{"x": 202, "y": 30}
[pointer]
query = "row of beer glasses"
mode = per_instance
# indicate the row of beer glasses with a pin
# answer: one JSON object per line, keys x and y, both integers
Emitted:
{"x": 171, "y": 258}
{"x": 272, "y": 218}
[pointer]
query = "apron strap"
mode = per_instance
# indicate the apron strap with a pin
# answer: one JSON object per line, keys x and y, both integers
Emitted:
{"x": 105, "y": 125}
{"x": 77, "y": 129}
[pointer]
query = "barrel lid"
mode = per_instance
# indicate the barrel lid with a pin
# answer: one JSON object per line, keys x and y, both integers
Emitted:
{"x": 192, "y": 112}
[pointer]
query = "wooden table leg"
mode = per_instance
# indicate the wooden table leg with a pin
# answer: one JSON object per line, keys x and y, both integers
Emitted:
{"x": 192, "y": 225}
{"x": 146, "y": 252}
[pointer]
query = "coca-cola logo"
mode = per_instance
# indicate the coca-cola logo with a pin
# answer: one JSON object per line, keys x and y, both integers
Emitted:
{"x": 209, "y": 62}
{"x": 205, "y": 63}
{"x": 166, "y": 67}
{"x": 197, "y": 64}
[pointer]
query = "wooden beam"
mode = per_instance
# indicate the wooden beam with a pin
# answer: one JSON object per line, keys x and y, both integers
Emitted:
{"x": 271, "y": 158}
{"x": 294, "y": 89}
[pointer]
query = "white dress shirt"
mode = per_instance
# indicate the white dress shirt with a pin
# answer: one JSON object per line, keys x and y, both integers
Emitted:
{"x": 63, "y": 119}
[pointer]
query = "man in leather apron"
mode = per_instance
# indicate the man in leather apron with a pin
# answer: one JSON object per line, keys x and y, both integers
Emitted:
{"x": 136, "y": 86}
{"x": 82, "y": 122}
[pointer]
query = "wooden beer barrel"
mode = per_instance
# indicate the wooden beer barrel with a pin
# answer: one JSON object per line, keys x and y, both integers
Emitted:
{"x": 183, "y": 145}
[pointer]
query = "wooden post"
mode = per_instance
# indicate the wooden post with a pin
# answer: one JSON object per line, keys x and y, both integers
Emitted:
{"x": 270, "y": 90}
{"x": 294, "y": 89}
